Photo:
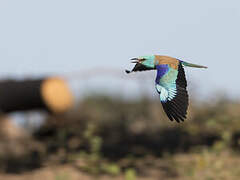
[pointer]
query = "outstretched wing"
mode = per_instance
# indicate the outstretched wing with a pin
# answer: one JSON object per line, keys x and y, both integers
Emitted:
{"x": 171, "y": 85}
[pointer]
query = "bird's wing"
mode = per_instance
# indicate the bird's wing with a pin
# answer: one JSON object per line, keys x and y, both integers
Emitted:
{"x": 139, "y": 67}
{"x": 171, "y": 85}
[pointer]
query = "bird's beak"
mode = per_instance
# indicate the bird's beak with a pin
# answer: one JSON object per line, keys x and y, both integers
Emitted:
{"x": 134, "y": 60}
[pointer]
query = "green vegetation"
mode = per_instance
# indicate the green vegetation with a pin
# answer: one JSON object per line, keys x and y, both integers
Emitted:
{"x": 110, "y": 137}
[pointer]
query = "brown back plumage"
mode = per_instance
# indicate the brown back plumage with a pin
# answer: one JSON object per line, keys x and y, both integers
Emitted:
{"x": 172, "y": 62}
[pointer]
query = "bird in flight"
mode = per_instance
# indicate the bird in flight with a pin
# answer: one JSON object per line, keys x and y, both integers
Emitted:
{"x": 170, "y": 82}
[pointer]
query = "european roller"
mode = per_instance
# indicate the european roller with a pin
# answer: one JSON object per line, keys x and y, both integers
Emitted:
{"x": 170, "y": 82}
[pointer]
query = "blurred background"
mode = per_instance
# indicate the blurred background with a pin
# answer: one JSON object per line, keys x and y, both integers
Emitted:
{"x": 68, "y": 111}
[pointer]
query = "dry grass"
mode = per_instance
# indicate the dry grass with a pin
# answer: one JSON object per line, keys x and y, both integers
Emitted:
{"x": 106, "y": 138}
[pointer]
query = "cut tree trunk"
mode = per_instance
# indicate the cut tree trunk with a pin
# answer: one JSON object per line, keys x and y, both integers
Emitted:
{"x": 51, "y": 94}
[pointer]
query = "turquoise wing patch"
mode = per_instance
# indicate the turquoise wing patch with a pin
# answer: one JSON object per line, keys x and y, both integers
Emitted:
{"x": 166, "y": 85}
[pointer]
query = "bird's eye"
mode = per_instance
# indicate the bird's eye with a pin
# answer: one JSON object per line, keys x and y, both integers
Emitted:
{"x": 141, "y": 60}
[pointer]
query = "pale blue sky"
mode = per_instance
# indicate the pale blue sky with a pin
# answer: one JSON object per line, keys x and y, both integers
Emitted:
{"x": 55, "y": 36}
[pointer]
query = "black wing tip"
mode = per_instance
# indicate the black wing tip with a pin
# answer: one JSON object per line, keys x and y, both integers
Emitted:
{"x": 173, "y": 113}
{"x": 178, "y": 116}
{"x": 179, "y": 119}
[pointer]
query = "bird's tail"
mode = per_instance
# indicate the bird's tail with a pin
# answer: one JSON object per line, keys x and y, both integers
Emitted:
{"x": 192, "y": 65}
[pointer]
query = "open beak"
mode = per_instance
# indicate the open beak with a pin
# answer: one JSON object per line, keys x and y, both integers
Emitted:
{"x": 134, "y": 60}
{"x": 139, "y": 66}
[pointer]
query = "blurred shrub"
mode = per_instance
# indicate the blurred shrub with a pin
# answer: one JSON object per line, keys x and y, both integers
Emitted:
{"x": 108, "y": 135}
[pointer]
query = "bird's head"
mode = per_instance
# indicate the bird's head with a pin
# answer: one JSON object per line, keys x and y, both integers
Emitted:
{"x": 143, "y": 63}
{"x": 148, "y": 61}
